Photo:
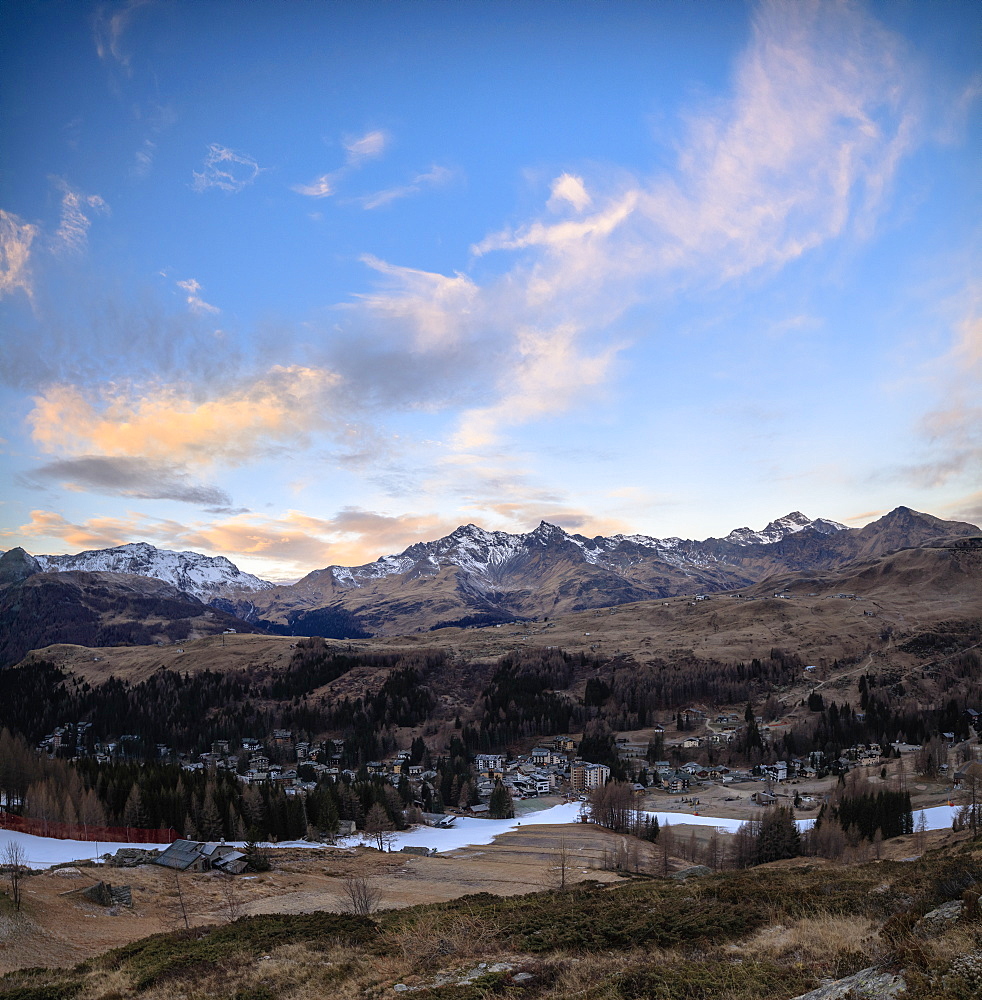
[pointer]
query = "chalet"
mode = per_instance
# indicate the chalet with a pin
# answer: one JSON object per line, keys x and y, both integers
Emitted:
{"x": 184, "y": 856}
{"x": 231, "y": 862}
{"x": 197, "y": 856}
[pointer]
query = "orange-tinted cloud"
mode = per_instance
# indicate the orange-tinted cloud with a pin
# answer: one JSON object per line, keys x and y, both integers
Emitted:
{"x": 165, "y": 422}
{"x": 276, "y": 547}
{"x": 96, "y": 533}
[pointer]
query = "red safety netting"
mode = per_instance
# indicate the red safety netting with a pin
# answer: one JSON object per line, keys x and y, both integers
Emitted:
{"x": 83, "y": 831}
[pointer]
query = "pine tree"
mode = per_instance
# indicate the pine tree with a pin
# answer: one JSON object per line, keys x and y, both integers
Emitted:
{"x": 501, "y": 805}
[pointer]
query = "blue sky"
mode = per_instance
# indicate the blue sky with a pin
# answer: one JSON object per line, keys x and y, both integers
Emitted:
{"x": 302, "y": 283}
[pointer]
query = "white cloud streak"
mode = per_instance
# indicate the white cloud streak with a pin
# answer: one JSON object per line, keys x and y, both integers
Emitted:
{"x": 197, "y": 304}
{"x": 434, "y": 177}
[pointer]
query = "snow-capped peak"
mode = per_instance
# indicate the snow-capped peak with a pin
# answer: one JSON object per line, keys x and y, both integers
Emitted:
{"x": 780, "y": 528}
{"x": 204, "y": 577}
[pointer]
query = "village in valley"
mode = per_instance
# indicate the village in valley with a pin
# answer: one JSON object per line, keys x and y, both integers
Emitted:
{"x": 671, "y": 766}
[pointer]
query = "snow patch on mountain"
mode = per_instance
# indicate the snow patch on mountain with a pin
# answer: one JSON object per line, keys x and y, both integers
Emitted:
{"x": 204, "y": 577}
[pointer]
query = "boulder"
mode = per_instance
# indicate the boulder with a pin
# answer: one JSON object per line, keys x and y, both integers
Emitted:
{"x": 867, "y": 984}
{"x": 940, "y": 919}
{"x": 693, "y": 871}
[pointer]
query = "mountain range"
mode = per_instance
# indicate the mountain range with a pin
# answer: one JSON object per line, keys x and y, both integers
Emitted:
{"x": 475, "y": 577}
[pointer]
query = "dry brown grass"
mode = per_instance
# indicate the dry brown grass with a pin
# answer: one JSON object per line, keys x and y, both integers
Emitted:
{"x": 427, "y": 940}
{"x": 836, "y": 945}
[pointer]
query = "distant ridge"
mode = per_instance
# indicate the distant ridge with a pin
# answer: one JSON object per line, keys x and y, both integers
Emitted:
{"x": 478, "y": 577}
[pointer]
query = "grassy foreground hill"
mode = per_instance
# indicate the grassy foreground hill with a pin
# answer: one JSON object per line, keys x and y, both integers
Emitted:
{"x": 770, "y": 933}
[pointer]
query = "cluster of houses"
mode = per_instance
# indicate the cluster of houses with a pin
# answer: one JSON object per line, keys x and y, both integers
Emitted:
{"x": 549, "y": 768}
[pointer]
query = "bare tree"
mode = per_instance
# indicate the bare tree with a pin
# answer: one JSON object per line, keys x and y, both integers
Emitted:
{"x": 378, "y": 827}
{"x": 15, "y": 861}
{"x": 360, "y": 895}
{"x": 175, "y": 910}
{"x": 665, "y": 845}
{"x": 231, "y": 902}
{"x": 559, "y": 874}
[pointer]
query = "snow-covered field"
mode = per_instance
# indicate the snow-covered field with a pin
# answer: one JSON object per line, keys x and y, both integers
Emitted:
{"x": 42, "y": 852}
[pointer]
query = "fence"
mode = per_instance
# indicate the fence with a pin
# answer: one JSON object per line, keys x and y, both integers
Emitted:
{"x": 85, "y": 831}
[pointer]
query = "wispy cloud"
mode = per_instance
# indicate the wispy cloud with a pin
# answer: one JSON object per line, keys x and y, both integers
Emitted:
{"x": 195, "y": 303}
{"x": 804, "y": 151}
{"x": 143, "y": 157}
{"x": 73, "y": 228}
{"x": 110, "y": 24}
{"x": 226, "y": 170}
{"x": 158, "y": 119}
{"x": 434, "y": 177}
{"x": 949, "y": 435}
{"x": 433, "y": 306}
{"x": 16, "y": 237}
{"x": 358, "y": 149}
{"x": 551, "y": 369}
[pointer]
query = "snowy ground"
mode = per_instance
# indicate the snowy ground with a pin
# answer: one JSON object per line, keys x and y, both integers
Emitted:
{"x": 43, "y": 852}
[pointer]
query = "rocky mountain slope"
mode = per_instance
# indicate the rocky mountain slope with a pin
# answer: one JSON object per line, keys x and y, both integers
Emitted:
{"x": 478, "y": 577}
{"x": 96, "y": 609}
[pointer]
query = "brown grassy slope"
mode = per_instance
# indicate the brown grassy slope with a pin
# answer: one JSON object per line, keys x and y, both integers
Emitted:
{"x": 909, "y": 592}
{"x": 764, "y": 934}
